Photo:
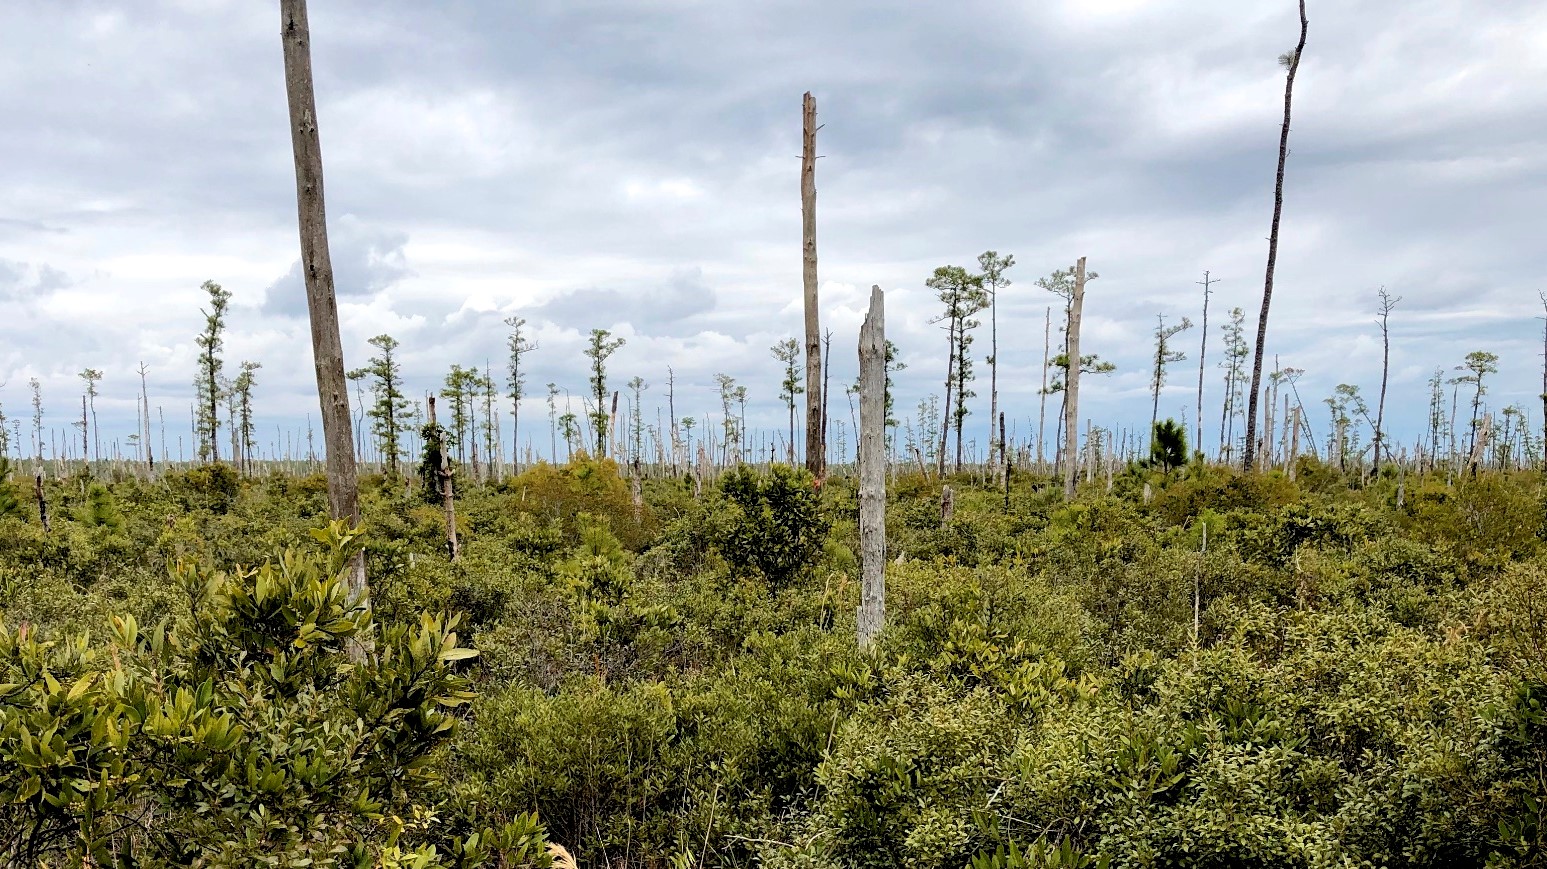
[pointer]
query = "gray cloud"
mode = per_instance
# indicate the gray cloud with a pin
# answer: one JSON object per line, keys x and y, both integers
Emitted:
{"x": 564, "y": 160}
{"x": 366, "y": 260}
{"x": 664, "y": 308}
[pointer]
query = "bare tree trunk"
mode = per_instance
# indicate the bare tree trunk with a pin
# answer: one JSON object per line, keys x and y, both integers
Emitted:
{"x": 1047, "y": 332}
{"x": 1004, "y": 464}
{"x": 1294, "y": 443}
{"x": 150, "y": 453}
{"x": 947, "y": 505}
{"x": 827, "y": 374}
{"x": 37, "y": 489}
{"x": 1386, "y": 304}
{"x": 816, "y": 449}
{"x": 447, "y": 493}
{"x": 993, "y": 377}
{"x": 950, "y": 379}
{"x": 1203, "y": 351}
{"x": 85, "y": 440}
{"x": 1278, "y": 212}
{"x": 1072, "y": 385}
{"x": 317, "y": 267}
{"x": 872, "y": 469}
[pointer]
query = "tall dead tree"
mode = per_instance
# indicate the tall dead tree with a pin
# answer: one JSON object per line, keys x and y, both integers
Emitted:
{"x": 816, "y": 449}
{"x": 1072, "y": 384}
{"x": 150, "y": 455}
{"x": 1387, "y": 302}
{"x": 441, "y": 474}
{"x": 1203, "y": 350}
{"x": 1292, "y": 62}
{"x": 317, "y": 268}
{"x": 1047, "y": 327}
{"x": 872, "y": 469}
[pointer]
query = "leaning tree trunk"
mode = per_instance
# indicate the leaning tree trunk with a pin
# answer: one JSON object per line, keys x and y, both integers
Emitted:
{"x": 872, "y": 469}
{"x": 816, "y": 449}
{"x": 317, "y": 267}
{"x": 1278, "y": 212}
{"x": 1072, "y": 385}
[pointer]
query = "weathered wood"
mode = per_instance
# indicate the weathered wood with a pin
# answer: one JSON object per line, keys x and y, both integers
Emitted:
{"x": 947, "y": 506}
{"x": 1294, "y": 443}
{"x": 37, "y": 489}
{"x": 447, "y": 492}
{"x": 872, "y": 469}
{"x": 317, "y": 268}
{"x": 1072, "y": 385}
{"x": 816, "y": 449}
{"x": 1293, "y": 62}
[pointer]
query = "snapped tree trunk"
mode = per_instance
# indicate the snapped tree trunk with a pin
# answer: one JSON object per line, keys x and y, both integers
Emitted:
{"x": 447, "y": 493}
{"x": 317, "y": 268}
{"x": 1278, "y": 212}
{"x": 872, "y": 469}
{"x": 1072, "y": 385}
{"x": 816, "y": 450}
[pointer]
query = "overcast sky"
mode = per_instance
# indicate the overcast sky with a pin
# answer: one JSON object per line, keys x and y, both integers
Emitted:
{"x": 634, "y": 166}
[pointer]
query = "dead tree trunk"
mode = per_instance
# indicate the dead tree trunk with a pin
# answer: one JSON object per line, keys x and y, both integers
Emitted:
{"x": 1291, "y": 60}
{"x": 816, "y": 450}
{"x": 37, "y": 489}
{"x": 1047, "y": 331}
{"x": 872, "y": 469}
{"x": 317, "y": 267}
{"x": 1072, "y": 385}
{"x": 1203, "y": 351}
{"x": 443, "y": 480}
{"x": 150, "y": 453}
{"x": 1387, "y": 302}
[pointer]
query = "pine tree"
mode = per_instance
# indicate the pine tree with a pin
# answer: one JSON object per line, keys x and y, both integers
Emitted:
{"x": 602, "y": 346}
{"x": 1478, "y": 365}
{"x": 460, "y": 386}
{"x": 963, "y": 295}
{"x": 92, "y": 377}
{"x": 788, "y": 352}
{"x": 1164, "y": 356}
{"x": 515, "y": 379}
{"x": 210, "y": 342}
{"x": 387, "y": 413}
{"x": 242, "y": 421}
{"x": 1237, "y": 351}
{"x": 994, "y": 266}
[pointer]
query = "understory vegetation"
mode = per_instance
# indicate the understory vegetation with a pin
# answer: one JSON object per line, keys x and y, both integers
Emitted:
{"x": 1190, "y": 667}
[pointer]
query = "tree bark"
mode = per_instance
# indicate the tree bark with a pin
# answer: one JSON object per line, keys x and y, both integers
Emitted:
{"x": 1278, "y": 212}
{"x": 447, "y": 493}
{"x": 1047, "y": 331}
{"x": 317, "y": 267}
{"x": 1072, "y": 385}
{"x": 872, "y": 469}
{"x": 1385, "y": 371}
{"x": 37, "y": 489}
{"x": 1203, "y": 350}
{"x": 816, "y": 449}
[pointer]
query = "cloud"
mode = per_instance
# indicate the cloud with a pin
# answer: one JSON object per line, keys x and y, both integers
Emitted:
{"x": 367, "y": 260}
{"x": 633, "y": 166}
{"x": 663, "y": 308}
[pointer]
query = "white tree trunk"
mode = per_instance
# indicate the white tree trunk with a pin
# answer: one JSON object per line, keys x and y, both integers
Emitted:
{"x": 872, "y": 469}
{"x": 1072, "y": 386}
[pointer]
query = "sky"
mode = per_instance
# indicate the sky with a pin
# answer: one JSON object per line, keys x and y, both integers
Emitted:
{"x": 634, "y": 166}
